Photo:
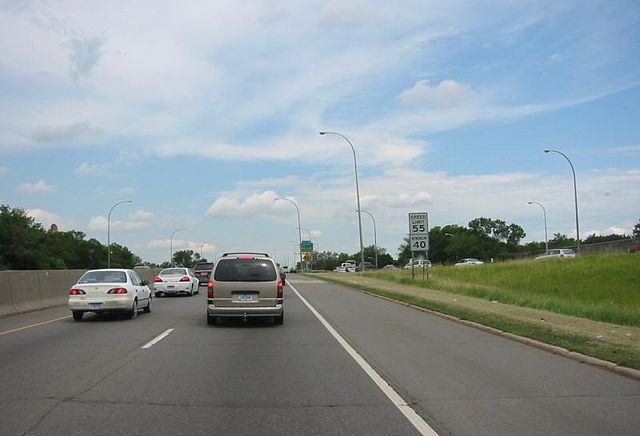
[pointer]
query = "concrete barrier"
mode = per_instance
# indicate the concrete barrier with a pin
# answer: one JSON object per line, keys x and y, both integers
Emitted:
{"x": 24, "y": 291}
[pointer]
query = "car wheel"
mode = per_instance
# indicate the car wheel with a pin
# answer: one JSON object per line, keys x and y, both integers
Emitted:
{"x": 77, "y": 315}
{"x": 191, "y": 293}
{"x": 279, "y": 319}
{"x": 211, "y": 320}
{"x": 134, "y": 310}
{"x": 158, "y": 294}
{"x": 147, "y": 309}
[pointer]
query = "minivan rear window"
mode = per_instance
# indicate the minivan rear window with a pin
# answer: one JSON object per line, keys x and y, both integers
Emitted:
{"x": 245, "y": 270}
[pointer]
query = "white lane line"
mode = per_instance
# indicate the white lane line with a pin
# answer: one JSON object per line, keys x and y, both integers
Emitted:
{"x": 415, "y": 419}
{"x": 157, "y": 339}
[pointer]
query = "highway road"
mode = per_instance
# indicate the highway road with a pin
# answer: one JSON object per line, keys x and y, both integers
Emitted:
{"x": 110, "y": 375}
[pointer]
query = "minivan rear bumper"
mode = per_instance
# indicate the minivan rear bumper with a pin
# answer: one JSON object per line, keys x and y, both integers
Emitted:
{"x": 248, "y": 312}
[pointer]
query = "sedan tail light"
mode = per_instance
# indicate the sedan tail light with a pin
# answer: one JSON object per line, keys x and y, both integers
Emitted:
{"x": 185, "y": 279}
{"x": 210, "y": 293}
{"x": 118, "y": 291}
{"x": 76, "y": 291}
{"x": 157, "y": 279}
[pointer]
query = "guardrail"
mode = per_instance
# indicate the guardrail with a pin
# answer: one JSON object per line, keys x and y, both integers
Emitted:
{"x": 27, "y": 290}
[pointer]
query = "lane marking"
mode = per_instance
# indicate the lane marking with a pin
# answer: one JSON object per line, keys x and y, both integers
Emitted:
{"x": 157, "y": 339}
{"x": 415, "y": 419}
{"x": 34, "y": 325}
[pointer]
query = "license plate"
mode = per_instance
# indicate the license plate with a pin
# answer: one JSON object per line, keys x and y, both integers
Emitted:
{"x": 170, "y": 287}
{"x": 95, "y": 305}
{"x": 245, "y": 297}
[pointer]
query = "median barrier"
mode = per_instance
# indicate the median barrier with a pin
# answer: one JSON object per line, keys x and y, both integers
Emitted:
{"x": 24, "y": 291}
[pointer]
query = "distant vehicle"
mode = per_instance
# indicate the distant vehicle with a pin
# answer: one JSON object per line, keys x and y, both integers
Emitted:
{"x": 141, "y": 267}
{"x": 202, "y": 270}
{"x": 418, "y": 263}
{"x": 635, "y": 246}
{"x": 350, "y": 264}
{"x": 245, "y": 285}
{"x": 557, "y": 253}
{"x": 469, "y": 261}
{"x": 286, "y": 269}
{"x": 390, "y": 266}
{"x": 109, "y": 290}
{"x": 293, "y": 269}
{"x": 345, "y": 267}
{"x": 364, "y": 266}
{"x": 176, "y": 281}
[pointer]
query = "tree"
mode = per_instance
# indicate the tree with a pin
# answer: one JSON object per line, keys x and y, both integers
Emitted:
{"x": 636, "y": 230}
{"x": 185, "y": 258}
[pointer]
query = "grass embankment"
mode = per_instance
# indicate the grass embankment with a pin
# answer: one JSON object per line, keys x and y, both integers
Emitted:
{"x": 602, "y": 290}
{"x": 598, "y": 287}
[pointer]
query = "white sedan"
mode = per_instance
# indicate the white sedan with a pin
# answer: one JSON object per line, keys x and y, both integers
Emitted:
{"x": 109, "y": 290}
{"x": 178, "y": 280}
{"x": 469, "y": 261}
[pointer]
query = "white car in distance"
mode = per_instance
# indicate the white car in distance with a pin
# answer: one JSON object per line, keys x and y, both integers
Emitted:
{"x": 175, "y": 281}
{"x": 558, "y": 253}
{"x": 109, "y": 290}
{"x": 469, "y": 261}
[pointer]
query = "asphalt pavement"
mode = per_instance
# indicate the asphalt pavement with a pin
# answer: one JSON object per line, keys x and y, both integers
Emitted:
{"x": 94, "y": 377}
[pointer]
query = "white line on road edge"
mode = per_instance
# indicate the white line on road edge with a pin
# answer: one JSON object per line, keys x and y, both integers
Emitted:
{"x": 415, "y": 419}
{"x": 158, "y": 338}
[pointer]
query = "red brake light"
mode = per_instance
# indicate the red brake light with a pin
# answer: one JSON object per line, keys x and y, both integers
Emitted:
{"x": 75, "y": 291}
{"x": 246, "y": 257}
{"x": 280, "y": 289}
{"x": 118, "y": 291}
{"x": 157, "y": 279}
{"x": 185, "y": 279}
{"x": 210, "y": 286}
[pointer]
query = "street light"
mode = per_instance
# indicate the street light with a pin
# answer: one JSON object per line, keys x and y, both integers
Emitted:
{"x": 544, "y": 212}
{"x": 575, "y": 194}
{"x": 171, "y": 244}
{"x": 109, "y": 231}
{"x": 355, "y": 165}
{"x": 299, "y": 233}
{"x": 202, "y": 247}
{"x": 375, "y": 235}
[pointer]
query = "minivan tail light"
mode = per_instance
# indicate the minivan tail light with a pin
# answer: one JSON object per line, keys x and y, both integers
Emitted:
{"x": 157, "y": 279}
{"x": 76, "y": 291}
{"x": 210, "y": 286}
{"x": 185, "y": 279}
{"x": 280, "y": 289}
{"x": 118, "y": 291}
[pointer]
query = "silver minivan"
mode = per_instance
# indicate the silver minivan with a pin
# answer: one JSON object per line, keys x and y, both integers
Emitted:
{"x": 245, "y": 285}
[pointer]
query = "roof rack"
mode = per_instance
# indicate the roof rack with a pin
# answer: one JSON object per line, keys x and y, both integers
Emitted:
{"x": 245, "y": 252}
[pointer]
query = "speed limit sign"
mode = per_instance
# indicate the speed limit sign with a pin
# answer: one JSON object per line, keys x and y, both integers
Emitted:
{"x": 419, "y": 231}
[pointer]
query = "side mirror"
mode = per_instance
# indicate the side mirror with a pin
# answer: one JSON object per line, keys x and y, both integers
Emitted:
{"x": 144, "y": 283}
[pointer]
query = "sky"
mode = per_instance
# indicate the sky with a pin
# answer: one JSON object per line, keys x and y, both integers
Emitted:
{"x": 203, "y": 113}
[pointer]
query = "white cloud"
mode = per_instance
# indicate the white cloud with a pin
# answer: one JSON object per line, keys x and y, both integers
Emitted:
{"x": 47, "y": 218}
{"x": 36, "y": 188}
{"x": 78, "y": 131}
{"x": 86, "y": 169}
{"x": 316, "y": 234}
{"x": 446, "y": 93}
{"x": 138, "y": 220}
{"x": 255, "y": 203}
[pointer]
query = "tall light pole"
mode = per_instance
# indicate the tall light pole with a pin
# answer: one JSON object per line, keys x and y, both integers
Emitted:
{"x": 544, "y": 212}
{"x": 202, "y": 247}
{"x": 575, "y": 194}
{"x": 375, "y": 235}
{"x": 299, "y": 232}
{"x": 355, "y": 166}
{"x": 171, "y": 244}
{"x": 109, "y": 231}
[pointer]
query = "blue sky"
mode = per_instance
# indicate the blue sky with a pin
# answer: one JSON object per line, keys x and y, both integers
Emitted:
{"x": 202, "y": 113}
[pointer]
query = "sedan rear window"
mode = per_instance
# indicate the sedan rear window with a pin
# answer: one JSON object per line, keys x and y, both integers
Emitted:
{"x": 171, "y": 271}
{"x": 249, "y": 270}
{"x": 203, "y": 266}
{"x": 103, "y": 277}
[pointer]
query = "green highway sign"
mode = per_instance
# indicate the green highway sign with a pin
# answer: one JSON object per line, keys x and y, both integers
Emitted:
{"x": 306, "y": 246}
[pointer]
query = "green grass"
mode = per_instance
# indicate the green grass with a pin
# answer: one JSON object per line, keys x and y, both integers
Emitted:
{"x": 598, "y": 287}
{"x": 619, "y": 354}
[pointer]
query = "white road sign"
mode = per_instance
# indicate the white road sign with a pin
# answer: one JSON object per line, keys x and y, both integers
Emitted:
{"x": 419, "y": 231}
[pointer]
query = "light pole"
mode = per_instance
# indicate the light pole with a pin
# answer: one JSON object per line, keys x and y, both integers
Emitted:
{"x": 202, "y": 247}
{"x": 171, "y": 244}
{"x": 375, "y": 235}
{"x": 299, "y": 232}
{"x": 355, "y": 166}
{"x": 109, "y": 231}
{"x": 544, "y": 212}
{"x": 575, "y": 194}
